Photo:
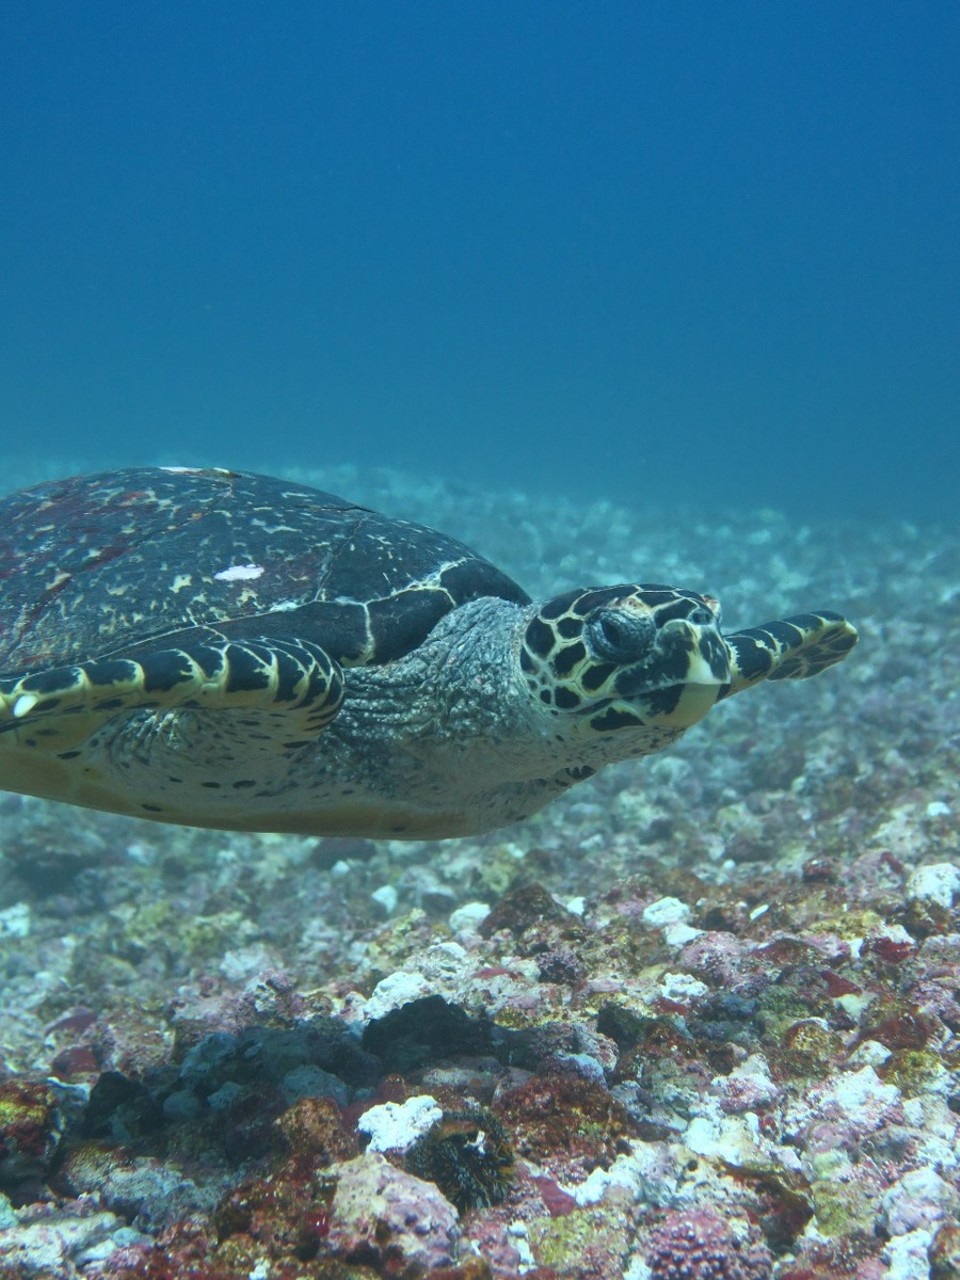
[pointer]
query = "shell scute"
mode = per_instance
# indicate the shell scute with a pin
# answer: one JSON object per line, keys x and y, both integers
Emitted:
{"x": 126, "y": 561}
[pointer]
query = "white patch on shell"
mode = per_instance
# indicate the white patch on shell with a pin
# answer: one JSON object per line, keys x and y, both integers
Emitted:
{"x": 240, "y": 573}
{"x": 59, "y": 578}
{"x": 196, "y": 471}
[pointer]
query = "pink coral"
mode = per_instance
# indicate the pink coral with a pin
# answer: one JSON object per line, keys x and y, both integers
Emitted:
{"x": 697, "y": 1244}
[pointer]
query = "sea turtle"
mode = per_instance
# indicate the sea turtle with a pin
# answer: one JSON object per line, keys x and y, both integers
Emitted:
{"x": 227, "y": 650}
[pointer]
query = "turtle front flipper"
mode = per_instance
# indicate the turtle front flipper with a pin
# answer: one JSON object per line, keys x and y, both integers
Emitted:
{"x": 788, "y": 649}
{"x": 62, "y": 706}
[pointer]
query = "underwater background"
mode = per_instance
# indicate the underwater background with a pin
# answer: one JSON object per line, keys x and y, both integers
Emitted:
{"x": 695, "y": 251}
{"x": 610, "y": 292}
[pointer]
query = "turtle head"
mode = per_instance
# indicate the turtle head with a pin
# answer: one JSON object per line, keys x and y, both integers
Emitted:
{"x": 636, "y": 657}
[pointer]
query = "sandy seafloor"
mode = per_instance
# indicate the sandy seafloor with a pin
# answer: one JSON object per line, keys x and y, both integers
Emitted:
{"x": 700, "y": 1018}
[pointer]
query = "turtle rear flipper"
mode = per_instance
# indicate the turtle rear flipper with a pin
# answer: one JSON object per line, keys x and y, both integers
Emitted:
{"x": 788, "y": 649}
{"x": 296, "y": 682}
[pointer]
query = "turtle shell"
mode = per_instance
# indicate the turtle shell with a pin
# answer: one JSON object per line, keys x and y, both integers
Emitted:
{"x": 118, "y": 562}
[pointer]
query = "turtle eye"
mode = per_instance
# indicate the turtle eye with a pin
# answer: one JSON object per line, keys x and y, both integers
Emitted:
{"x": 615, "y": 636}
{"x": 702, "y": 616}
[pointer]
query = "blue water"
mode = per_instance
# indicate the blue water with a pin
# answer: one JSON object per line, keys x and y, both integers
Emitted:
{"x": 695, "y": 249}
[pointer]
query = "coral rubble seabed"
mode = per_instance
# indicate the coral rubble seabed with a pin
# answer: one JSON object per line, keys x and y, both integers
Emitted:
{"x": 700, "y": 1018}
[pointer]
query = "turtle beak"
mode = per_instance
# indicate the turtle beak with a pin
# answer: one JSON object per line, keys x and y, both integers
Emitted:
{"x": 683, "y": 676}
{"x": 688, "y": 653}
{"x": 707, "y": 670}
{"x": 707, "y": 654}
